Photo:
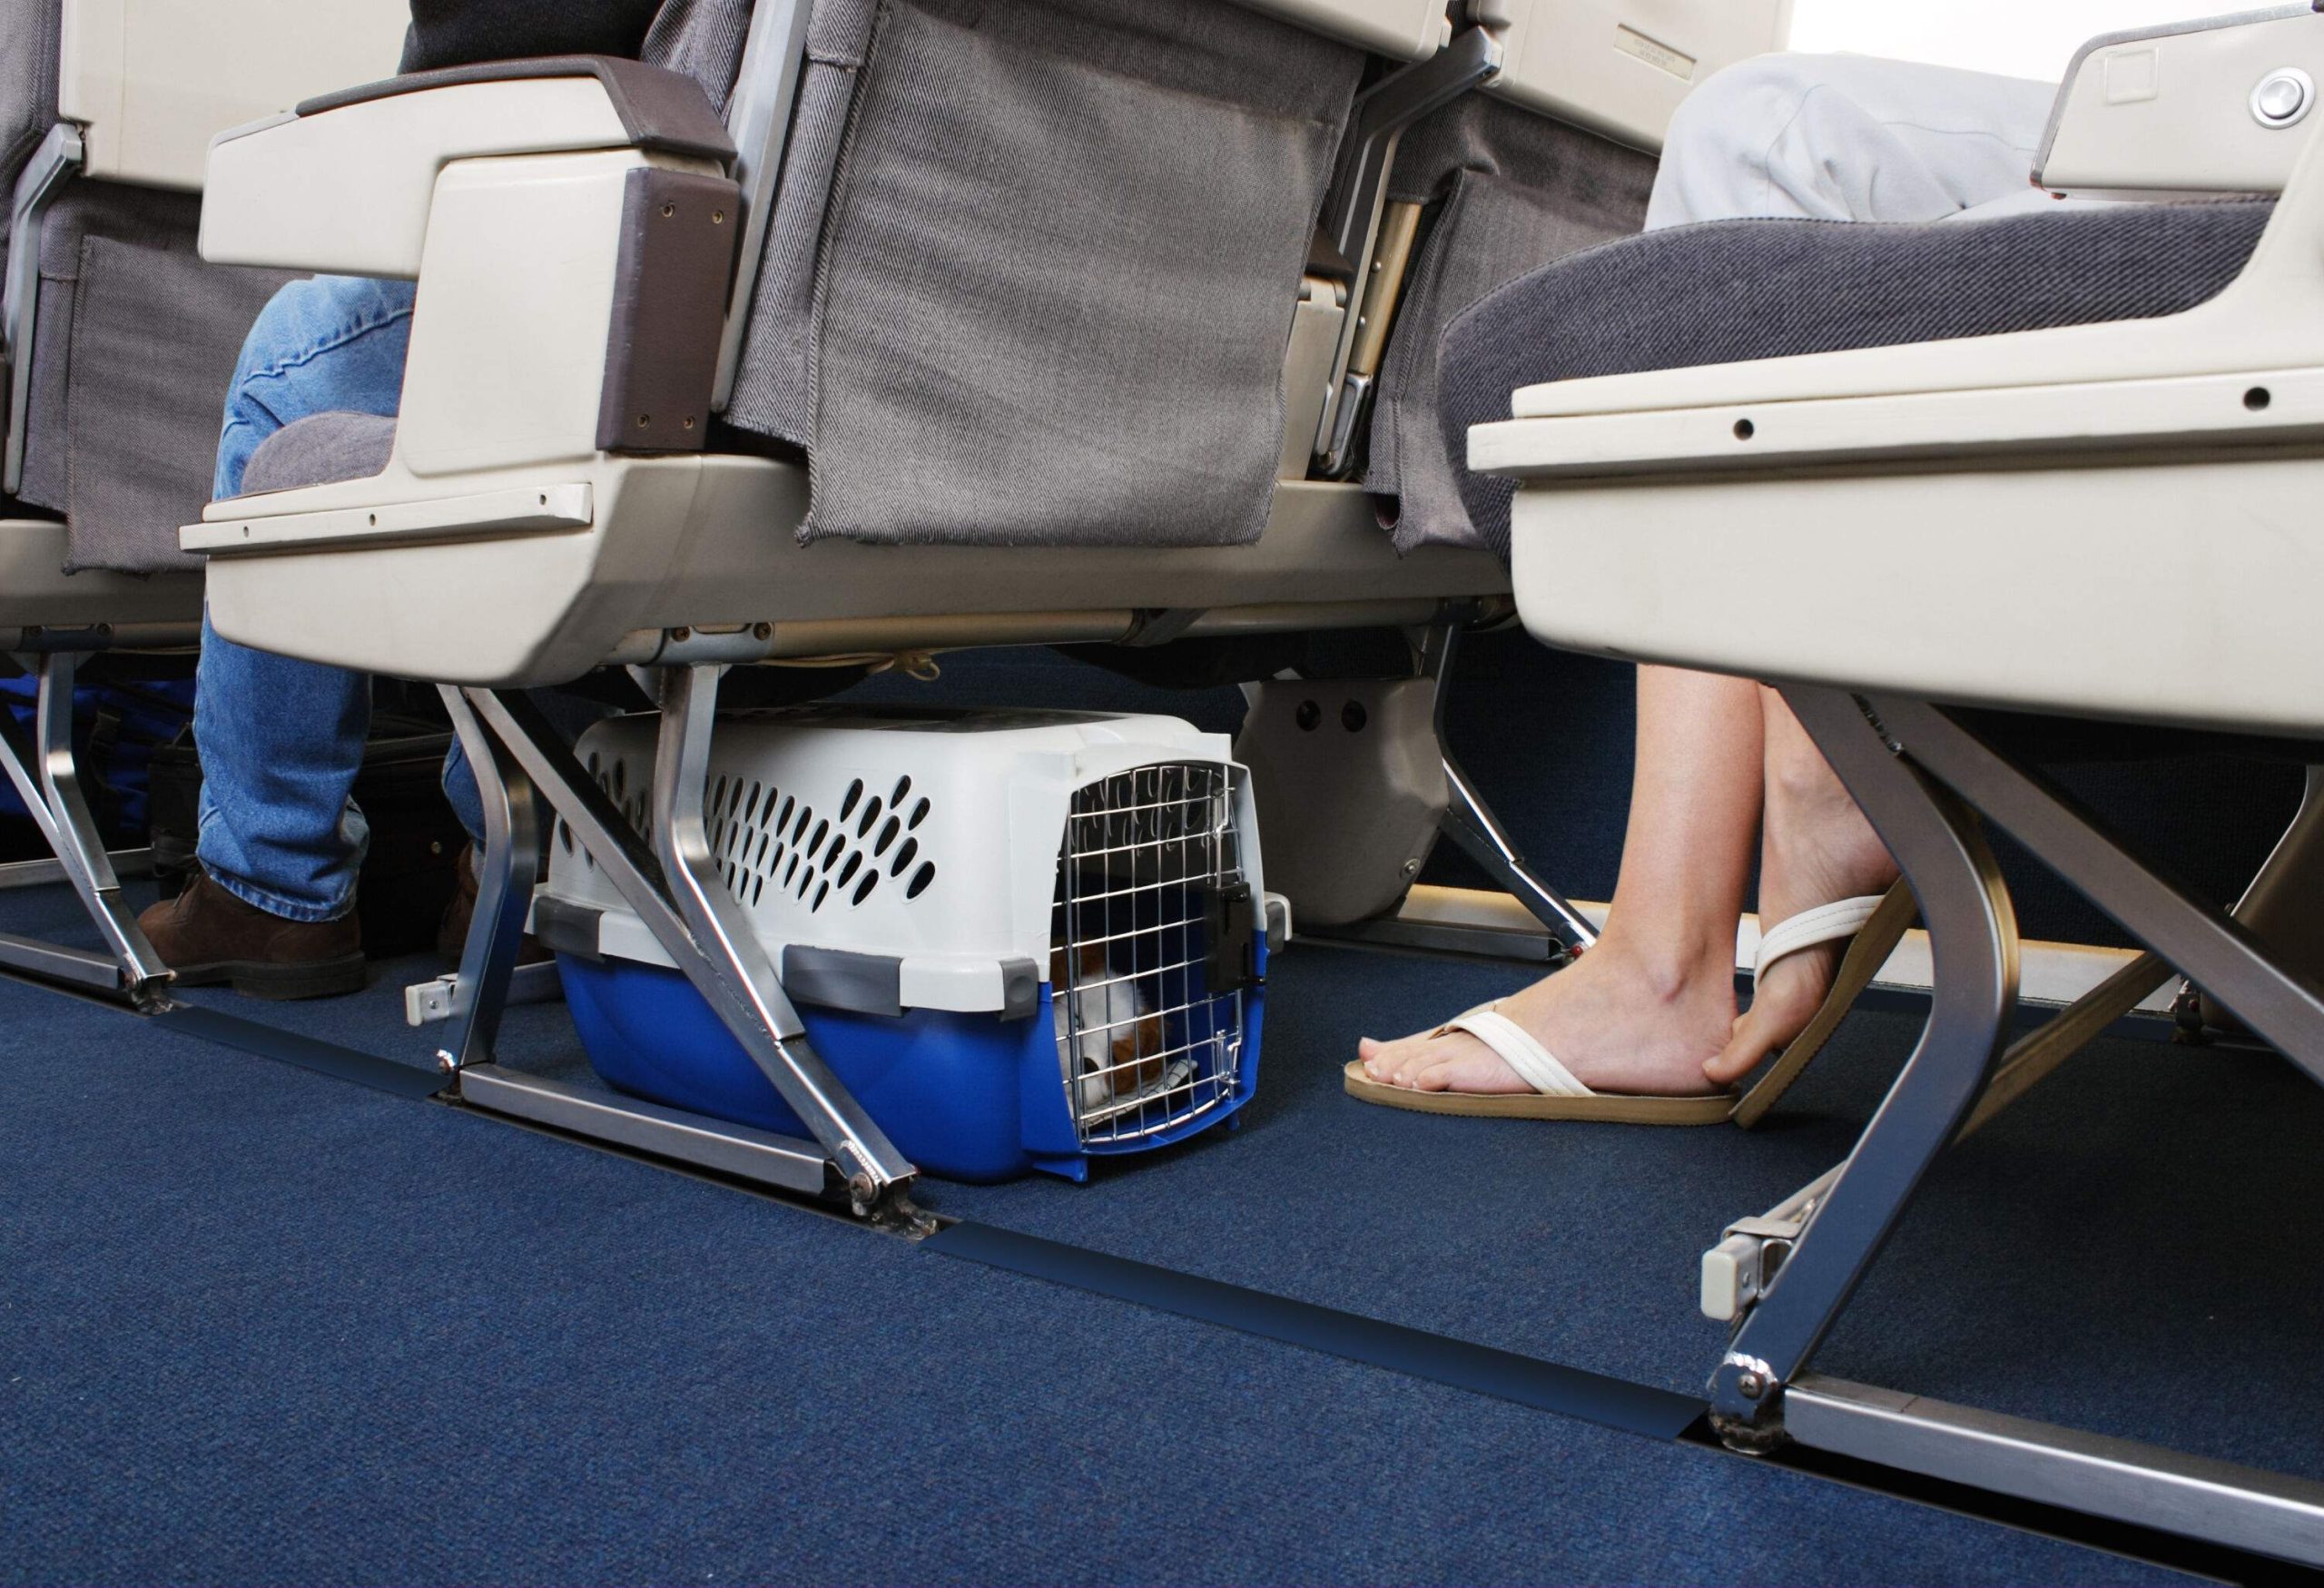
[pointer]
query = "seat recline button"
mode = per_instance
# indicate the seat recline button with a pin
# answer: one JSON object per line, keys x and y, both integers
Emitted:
{"x": 2282, "y": 97}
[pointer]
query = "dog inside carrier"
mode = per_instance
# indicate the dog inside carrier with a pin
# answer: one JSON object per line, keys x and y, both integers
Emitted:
{"x": 1022, "y": 940}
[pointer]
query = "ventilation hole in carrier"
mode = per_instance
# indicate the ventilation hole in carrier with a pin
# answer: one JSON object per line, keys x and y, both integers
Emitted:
{"x": 919, "y": 880}
{"x": 847, "y": 805}
{"x": 822, "y": 892}
{"x": 904, "y": 787}
{"x": 817, "y": 842}
{"x": 798, "y": 829}
{"x": 784, "y": 820}
{"x": 565, "y": 836}
{"x": 919, "y": 813}
{"x": 863, "y": 888}
{"x": 904, "y": 854}
{"x": 838, "y": 846}
{"x": 887, "y": 835}
{"x": 791, "y": 872}
{"x": 848, "y": 871}
{"x": 758, "y": 887}
{"x": 870, "y": 815}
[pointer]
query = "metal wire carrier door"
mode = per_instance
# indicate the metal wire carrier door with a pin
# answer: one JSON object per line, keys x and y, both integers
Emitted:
{"x": 1149, "y": 1012}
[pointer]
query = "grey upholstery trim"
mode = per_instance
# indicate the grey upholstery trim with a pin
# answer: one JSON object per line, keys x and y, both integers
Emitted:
{"x": 660, "y": 110}
{"x": 1732, "y": 290}
{"x": 320, "y": 450}
{"x": 2107, "y": 41}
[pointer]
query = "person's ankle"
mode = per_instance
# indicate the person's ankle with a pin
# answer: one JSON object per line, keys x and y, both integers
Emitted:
{"x": 1685, "y": 969}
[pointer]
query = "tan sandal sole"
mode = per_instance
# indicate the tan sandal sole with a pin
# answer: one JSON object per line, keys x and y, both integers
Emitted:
{"x": 1610, "y": 1108}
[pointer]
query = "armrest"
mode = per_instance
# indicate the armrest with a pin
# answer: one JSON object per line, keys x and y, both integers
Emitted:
{"x": 2181, "y": 109}
{"x": 345, "y": 183}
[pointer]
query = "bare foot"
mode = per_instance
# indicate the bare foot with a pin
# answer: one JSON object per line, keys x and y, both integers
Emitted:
{"x": 1618, "y": 1021}
{"x": 1817, "y": 848}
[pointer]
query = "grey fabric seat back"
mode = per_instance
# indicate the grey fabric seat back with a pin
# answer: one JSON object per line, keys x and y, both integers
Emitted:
{"x": 1733, "y": 291}
{"x": 1030, "y": 274}
{"x": 28, "y": 44}
{"x": 1507, "y": 191}
{"x": 134, "y": 344}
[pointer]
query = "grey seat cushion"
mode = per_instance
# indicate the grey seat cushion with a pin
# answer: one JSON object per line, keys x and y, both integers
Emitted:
{"x": 1732, "y": 290}
{"x": 320, "y": 450}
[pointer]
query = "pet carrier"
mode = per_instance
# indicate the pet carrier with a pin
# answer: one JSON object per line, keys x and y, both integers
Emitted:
{"x": 1022, "y": 940}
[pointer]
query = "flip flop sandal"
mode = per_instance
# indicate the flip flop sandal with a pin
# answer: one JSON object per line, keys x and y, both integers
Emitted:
{"x": 1876, "y": 924}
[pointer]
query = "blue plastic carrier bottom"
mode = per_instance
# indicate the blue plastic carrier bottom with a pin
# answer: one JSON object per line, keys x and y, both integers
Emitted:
{"x": 968, "y": 1097}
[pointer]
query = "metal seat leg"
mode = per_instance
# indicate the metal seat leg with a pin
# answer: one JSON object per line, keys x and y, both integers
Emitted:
{"x": 677, "y": 895}
{"x": 1470, "y": 822}
{"x": 47, "y": 778}
{"x": 1973, "y": 936}
{"x": 507, "y": 869}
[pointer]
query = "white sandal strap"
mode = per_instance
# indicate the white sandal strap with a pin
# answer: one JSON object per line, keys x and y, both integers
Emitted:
{"x": 1842, "y": 918}
{"x": 1534, "y": 1064}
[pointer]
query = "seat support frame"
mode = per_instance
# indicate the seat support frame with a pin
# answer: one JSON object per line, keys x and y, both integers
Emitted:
{"x": 46, "y": 772}
{"x": 1922, "y": 778}
{"x": 669, "y": 878}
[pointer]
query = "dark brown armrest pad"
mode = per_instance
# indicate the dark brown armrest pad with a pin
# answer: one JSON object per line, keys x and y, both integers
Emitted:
{"x": 660, "y": 110}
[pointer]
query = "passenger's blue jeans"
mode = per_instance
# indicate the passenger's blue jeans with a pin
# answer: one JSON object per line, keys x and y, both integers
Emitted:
{"x": 281, "y": 740}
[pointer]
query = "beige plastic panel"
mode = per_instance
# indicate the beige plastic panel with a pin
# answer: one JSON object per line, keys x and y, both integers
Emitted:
{"x": 2173, "y": 593}
{"x": 1410, "y": 30}
{"x": 1619, "y": 67}
{"x": 151, "y": 81}
{"x": 709, "y": 542}
{"x": 2172, "y": 111}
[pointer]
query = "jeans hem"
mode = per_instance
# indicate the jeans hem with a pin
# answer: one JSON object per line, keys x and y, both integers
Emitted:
{"x": 275, "y": 903}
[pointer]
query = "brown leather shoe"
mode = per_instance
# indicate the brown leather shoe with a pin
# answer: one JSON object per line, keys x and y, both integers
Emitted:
{"x": 207, "y": 936}
{"x": 452, "y": 934}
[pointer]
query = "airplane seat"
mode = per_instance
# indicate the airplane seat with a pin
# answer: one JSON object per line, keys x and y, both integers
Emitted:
{"x": 118, "y": 342}
{"x": 2062, "y": 466}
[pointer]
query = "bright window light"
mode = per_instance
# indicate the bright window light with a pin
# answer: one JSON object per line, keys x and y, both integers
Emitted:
{"x": 2012, "y": 37}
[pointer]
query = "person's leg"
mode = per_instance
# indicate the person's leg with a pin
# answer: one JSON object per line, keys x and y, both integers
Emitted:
{"x": 1847, "y": 138}
{"x": 281, "y": 840}
{"x": 1645, "y": 1008}
{"x": 281, "y": 739}
{"x": 1839, "y": 138}
{"x": 1818, "y": 848}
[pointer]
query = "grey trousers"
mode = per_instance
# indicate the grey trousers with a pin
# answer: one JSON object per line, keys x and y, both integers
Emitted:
{"x": 1851, "y": 138}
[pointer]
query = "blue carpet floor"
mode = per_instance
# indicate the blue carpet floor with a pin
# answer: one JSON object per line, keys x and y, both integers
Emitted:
{"x": 264, "y": 1326}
